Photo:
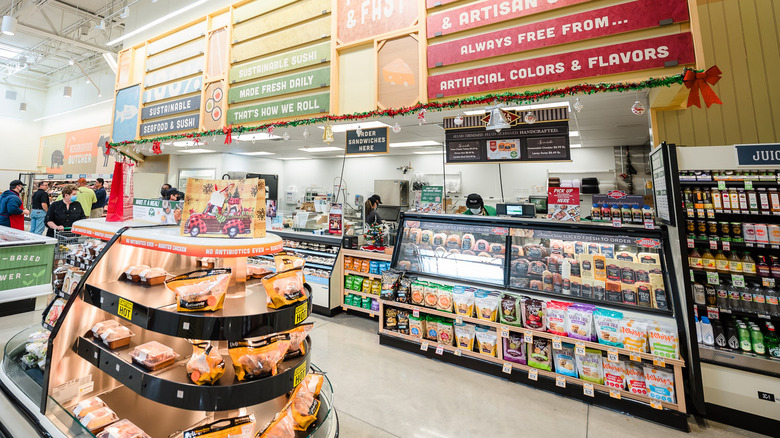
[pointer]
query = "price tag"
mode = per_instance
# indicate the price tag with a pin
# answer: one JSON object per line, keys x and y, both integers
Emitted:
{"x": 528, "y": 337}
{"x": 713, "y": 244}
{"x": 440, "y": 349}
{"x": 710, "y": 214}
{"x": 768, "y": 282}
{"x": 424, "y": 346}
{"x": 713, "y": 313}
{"x": 614, "y": 393}
{"x": 617, "y": 223}
{"x": 579, "y": 348}
{"x": 344, "y": 308}
{"x": 635, "y": 357}
{"x": 690, "y": 212}
{"x": 656, "y": 404}
{"x": 416, "y": 312}
{"x": 459, "y": 320}
{"x": 721, "y": 185}
{"x": 712, "y": 278}
{"x": 557, "y": 343}
{"x": 504, "y": 331}
{"x": 587, "y": 389}
{"x": 659, "y": 361}
{"x": 726, "y": 246}
{"x": 457, "y": 352}
{"x": 693, "y": 278}
{"x": 649, "y": 225}
{"x": 690, "y": 243}
{"x": 533, "y": 374}
{"x": 748, "y": 185}
{"x": 560, "y": 381}
{"x": 738, "y": 280}
{"x": 507, "y": 368}
{"x": 612, "y": 354}
{"x": 700, "y": 213}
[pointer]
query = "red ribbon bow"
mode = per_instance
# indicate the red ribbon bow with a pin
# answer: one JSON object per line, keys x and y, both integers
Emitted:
{"x": 228, "y": 130}
{"x": 696, "y": 81}
{"x": 108, "y": 149}
{"x": 156, "y": 147}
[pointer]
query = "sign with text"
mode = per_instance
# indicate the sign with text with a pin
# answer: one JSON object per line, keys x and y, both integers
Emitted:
{"x": 619, "y": 58}
{"x": 359, "y": 20}
{"x": 537, "y": 142}
{"x": 283, "y": 62}
{"x": 170, "y": 108}
{"x": 431, "y": 199}
{"x": 185, "y": 123}
{"x": 563, "y": 203}
{"x": 285, "y": 108}
{"x": 758, "y": 154}
{"x": 281, "y": 85}
{"x": 157, "y": 211}
{"x": 373, "y": 141}
{"x": 76, "y": 152}
{"x": 173, "y": 89}
{"x": 625, "y": 17}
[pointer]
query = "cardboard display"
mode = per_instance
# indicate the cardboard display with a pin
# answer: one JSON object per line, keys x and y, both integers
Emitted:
{"x": 224, "y": 208}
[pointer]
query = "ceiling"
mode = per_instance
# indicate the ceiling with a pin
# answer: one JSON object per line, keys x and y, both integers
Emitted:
{"x": 58, "y": 40}
{"x": 605, "y": 121}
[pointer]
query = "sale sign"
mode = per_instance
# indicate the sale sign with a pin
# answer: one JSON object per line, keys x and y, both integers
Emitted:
{"x": 625, "y": 17}
{"x": 563, "y": 203}
{"x": 646, "y": 54}
{"x": 359, "y": 20}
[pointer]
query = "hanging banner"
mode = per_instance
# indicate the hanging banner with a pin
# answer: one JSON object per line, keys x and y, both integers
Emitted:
{"x": 170, "y": 108}
{"x": 293, "y": 83}
{"x": 372, "y": 141}
{"x": 280, "y": 63}
{"x": 285, "y": 108}
{"x": 360, "y": 20}
{"x": 174, "y": 89}
{"x": 666, "y": 51}
{"x": 126, "y": 114}
{"x": 185, "y": 123}
{"x": 537, "y": 142}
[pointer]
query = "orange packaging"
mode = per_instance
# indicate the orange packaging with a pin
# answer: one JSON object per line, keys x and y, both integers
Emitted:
{"x": 206, "y": 364}
{"x": 253, "y": 359}
{"x": 284, "y": 288}
{"x": 287, "y": 261}
{"x": 599, "y": 267}
{"x": 200, "y": 293}
{"x": 225, "y": 428}
{"x": 283, "y": 426}
{"x": 296, "y": 337}
{"x": 365, "y": 266}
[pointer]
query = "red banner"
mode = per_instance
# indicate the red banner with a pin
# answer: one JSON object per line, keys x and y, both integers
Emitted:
{"x": 488, "y": 12}
{"x": 619, "y": 58}
{"x": 625, "y": 17}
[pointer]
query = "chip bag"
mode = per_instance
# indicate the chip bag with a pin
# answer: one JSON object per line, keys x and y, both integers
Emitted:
{"x": 206, "y": 364}
{"x": 284, "y": 288}
{"x": 200, "y": 291}
{"x": 253, "y": 359}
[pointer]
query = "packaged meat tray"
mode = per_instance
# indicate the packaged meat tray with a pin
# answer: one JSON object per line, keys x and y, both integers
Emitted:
{"x": 152, "y": 276}
{"x": 112, "y": 334}
{"x": 123, "y": 429}
{"x": 153, "y": 355}
{"x": 98, "y": 419}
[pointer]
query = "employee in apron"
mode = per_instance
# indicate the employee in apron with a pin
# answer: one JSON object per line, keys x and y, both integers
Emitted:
{"x": 12, "y": 212}
{"x": 476, "y": 206}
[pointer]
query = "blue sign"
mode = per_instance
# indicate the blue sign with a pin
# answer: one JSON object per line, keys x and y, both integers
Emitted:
{"x": 758, "y": 154}
{"x": 126, "y": 114}
{"x": 51, "y": 176}
{"x": 170, "y": 125}
{"x": 69, "y": 176}
{"x": 169, "y": 108}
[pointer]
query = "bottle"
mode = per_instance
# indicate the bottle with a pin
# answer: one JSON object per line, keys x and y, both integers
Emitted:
{"x": 724, "y": 196}
{"x": 747, "y": 299}
{"x": 749, "y": 232}
{"x": 734, "y": 197}
{"x": 636, "y": 214}
{"x": 708, "y": 260}
{"x": 745, "y": 343}
{"x": 763, "y": 201}
{"x": 722, "y": 300}
{"x": 734, "y": 298}
{"x": 772, "y": 302}
{"x": 757, "y": 339}
{"x": 725, "y": 231}
{"x": 694, "y": 259}
{"x": 763, "y": 268}
{"x": 698, "y": 329}
{"x": 732, "y": 336}
{"x": 688, "y": 198}
{"x": 711, "y": 295}
{"x": 774, "y": 200}
{"x": 748, "y": 264}
{"x": 698, "y": 199}
{"x": 736, "y": 232}
{"x": 606, "y": 213}
{"x": 772, "y": 343}
{"x": 721, "y": 262}
{"x": 717, "y": 201}
{"x": 719, "y": 334}
{"x": 735, "y": 264}
{"x": 615, "y": 212}
{"x": 762, "y": 234}
{"x": 647, "y": 213}
{"x": 707, "y": 335}
{"x": 595, "y": 213}
{"x": 775, "y": 268}
{"x": 743, "y": 202}
{"x": 759, "y": 299}
{"x": 625, "y": 214}
{"x": 706, "y": 197}
{"x": 752, "y": 200}
{"x": 699, "y": 296}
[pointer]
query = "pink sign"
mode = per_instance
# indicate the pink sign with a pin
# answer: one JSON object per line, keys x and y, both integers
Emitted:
{"x": 478, "y": 14}
{"x": 619, "y": 58}
{"x": 625, "y": 17}
{"x": 563, "y": 203}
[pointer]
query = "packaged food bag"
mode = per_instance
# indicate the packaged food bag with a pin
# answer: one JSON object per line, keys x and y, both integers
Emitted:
{"x": 287, "y": 261}
{"x": 390, "y": 279}
{"x": 444, "y": 302}
{"x": 579, "y": 321}
{"x": 514, "y": 348}
{"x": 206, "y": 365}
{"x": 123, "y": 429}
{"x": 635, "y": 378}
{"x": 282, "y": 426}
{"x": 228, "y": 427}
{"x": 634, "y": 332}
{"x": 615, "y": 374}
{"x": 431, "y": 295}
{"x": 565, "y": 362}
{"x": 486, "y": 341}
{"x": 589, "y": 366}
{"x": 284, "y": 288}
{"x": 608, "y": 327}
{"x": 534, "y": 313}
{"x": 200, "y": 291}
{"x": 296, "y": 336}
{"x": 486, "y": 305}
{"x": 464, "y": 336}
{"x": 556, "y": 317}
{"x": 418, "y": 293}
{"x": 510, "y": 310}
{"x": 253, "y": 359}
{"x": 660, "y": 383}
{"x": 663, "y": 340}
{"x": 463, "y": 299}
{"x": 304, "y": 407}
{"x": 416, "y": 328}
{"x": 446, "y": 333}
{"x": 539, "y": 354}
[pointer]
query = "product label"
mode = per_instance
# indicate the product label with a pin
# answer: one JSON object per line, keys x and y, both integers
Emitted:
{"x": 125, "y": 309}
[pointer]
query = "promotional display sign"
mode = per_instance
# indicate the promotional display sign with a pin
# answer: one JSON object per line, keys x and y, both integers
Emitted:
{"x": 157, "y": 211}
{"x": 77, "y": 152}
{"x": 179, "y": 88}
{"x": 372, "y": 141}
{"x": 224, "y": 208}
{"x": 431, "y": 199}
{"x": 184, "y": 123}
{"x": 126, "y": 114}
{"x": 758, "y": 154}
{"x": 563, "y": 203}
{"x": 295, "y": 82}
{"x": 538, "y": 142}
{"x": 619, "y": 198}
{"x": 214, "y": 105}
{"x": 284, "y": 108}
{"x": 360, "y": 20}
{"x": 662, "y": 183}
{"x": 335, "y": 219}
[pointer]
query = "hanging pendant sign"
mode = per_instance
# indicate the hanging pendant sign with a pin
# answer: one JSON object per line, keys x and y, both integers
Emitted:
{"x": 758, "y": 154}
{"x": 371, "y": 141}
{"x": 186, "y": 123}
{"x": 548, "y": 141}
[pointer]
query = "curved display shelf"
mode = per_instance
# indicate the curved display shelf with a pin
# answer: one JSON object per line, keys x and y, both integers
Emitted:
{"x": 169, "y": 239}
{"x": 171, "y": 386}
{"x": 154, "y": 308}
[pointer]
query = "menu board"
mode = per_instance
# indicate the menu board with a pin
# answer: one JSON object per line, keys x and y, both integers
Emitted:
{"x": 538, "y": 142}
{"x": 659, "y": 159}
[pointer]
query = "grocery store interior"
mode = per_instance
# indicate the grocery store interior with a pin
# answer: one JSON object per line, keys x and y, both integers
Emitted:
{"x": 323, "y": 218}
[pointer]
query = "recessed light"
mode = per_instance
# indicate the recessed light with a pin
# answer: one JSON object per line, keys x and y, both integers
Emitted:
{"x": 429, "y": 153}
{"x": 411, "y": 144}
{"x": 321, "y": 149}
{"x": 294, "y": 158}
{"x": 197, "y": 151}
{"x": 254, "y": 136}
{"x": 352, "y": 126}
{"x": 575, "y": 145}
{"x": 255, "y": 153}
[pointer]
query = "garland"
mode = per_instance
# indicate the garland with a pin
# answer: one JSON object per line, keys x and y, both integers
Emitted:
{"x": 525, "y": 97}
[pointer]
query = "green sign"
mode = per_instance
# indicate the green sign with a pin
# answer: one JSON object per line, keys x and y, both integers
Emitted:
{"x": 282, "y": 85}
{"x": 272, "y": 65}
{"x": 431, "y": 199}
{"x": 26, "y": 255}
{"x": 294, "y": 106}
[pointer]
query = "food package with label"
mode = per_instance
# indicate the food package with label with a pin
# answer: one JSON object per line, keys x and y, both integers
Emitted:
{"x": 487, "y": 341}
{"x": 444, "y": 298}
{"x": 282, "y": 426}
{"x": 565, "y": 362}
{"x": 254, "y": 359}
{"x": 236, "y": 427}
{"x": 196, "y": 293}
{"x": 86, "y": 406}
{"x": 635, "y": 378}
{"x": 446, "y": 333}
{"x": 540, "y": 354}
{"x": 418, "y": 293}
{"x": 486, "y": 305}
{"x": 663, "y": 339}
{"x": 463, "y": 300}
{"x": 464, "y": 336}
{"x": 133, "y": 273}
{"x": 579, "y": 321}
{"x": 152, "y": 276}
{"x": 431, "y": 298}
{"x": 608, "y": 327}
{"x": 511, "y": 312}
{"x": 296, "y": 336}
{"x": 304, "y": 406}
{"x": 589, "y": 366}
{"x": 153, "y": 355}
{"x": 660, "y": 383}
{"x": 556, "y": 317}
{"x": 54, "y": 312}
{"x": 534, "y": 313}
{"x": 99, "y": 418}
{"x": 514, "y": 348}
{"x": 287, "y": 261}
{"x": 285, "y": 288}
{"x": 615, "y": 374}
{"x": 116, "y": 336}
{"x": 634, "y": 333}
{"x": 416, "y": 327}
{"x": 123, "y": 429}
{"x": 206, "y": 365}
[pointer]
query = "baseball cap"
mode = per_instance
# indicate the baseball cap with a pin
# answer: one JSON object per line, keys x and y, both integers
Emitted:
{"x": 376, "y": 198}
{"x": 474, "y": 201}
{"x": 16, "y": 182}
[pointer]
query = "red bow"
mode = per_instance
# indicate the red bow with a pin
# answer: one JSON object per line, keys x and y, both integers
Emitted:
{"x": 228, "y": 130}
{"x": 701, "y": 81}
{"x": 108, "y": 149}
{"x": 156, "y": 147}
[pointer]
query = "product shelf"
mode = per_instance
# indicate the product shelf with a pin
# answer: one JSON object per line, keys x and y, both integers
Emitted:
{"x": 362, "y": 274}
{"x": 600, "y": 303}
{"x": 370, "y": 312}
{"x": 361, "y": 294}
{"x": 741, "y": 360}
{"x": 367, "y": 255}
{"x": 739, "y": 313}
{"x": 737, "y": 184}
{"x": 739, "y": 246}
{"x": 727, "y": 275}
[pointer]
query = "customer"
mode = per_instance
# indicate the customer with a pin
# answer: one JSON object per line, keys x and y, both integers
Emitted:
{"x": 477, "y": 207}
{"x": 62, "y": 214}
{"x": 102, "y": 199}
{"x": 163, "y": 190}
{"x": 11, "y": 211}
{"x": 86, "y": 196}
{"x": 40, "y": 205}
{"x": 372, "y": 217}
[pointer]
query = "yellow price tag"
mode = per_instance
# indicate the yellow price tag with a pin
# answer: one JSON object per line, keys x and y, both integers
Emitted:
{"x": 533, "y": 374}
{"x": 614, "y": 393}
{"x": 528, "y": 337}
{"x": 560, "y": 381}
{"x": 612, "y": 354}
{"x": 507, "y": 368}
{"x": 557, "y": 343}
{"x": 636, "y": 357}
{"x": 656, "y": 404}
{"x": 587, "y": 389}
{"x": 659, "y": 361}
{"x": 580, "y": 348}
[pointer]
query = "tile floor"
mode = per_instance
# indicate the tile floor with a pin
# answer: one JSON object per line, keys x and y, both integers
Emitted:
{"x": 382, "y": 392}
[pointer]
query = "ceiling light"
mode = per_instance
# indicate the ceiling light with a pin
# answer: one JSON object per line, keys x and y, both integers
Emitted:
{"x": 71, "y": 61}
{"x": 429, "y": 153}
{"x": 575, "y": 145}
{"x": 197, "y": 151}
{"x": 255, "y": 153}
{"x": 110, "y": 60}
{"x": 322, "y": 149}
{"x": 354, "y": 126}
{"x": 88, "y": 81}
{"x": 125, "y": 12}
{"x": 526, "y": 107}
{"x": 23, "y": 107}
{"x": 574, "y": 133}
{"x": 9, "y": 25}
{"x": 156, "y": 22}
{"x": 257, "y": 136}
{"x": 294, "y": 158}
{"x": 68, "y": 92}
{"x": 411, "y": 144}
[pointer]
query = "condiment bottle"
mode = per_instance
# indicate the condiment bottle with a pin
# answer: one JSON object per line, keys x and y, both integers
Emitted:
{"x": 636, "y": 214}
{"x": 694, "y": 259}
{"x": 748, "y": 264}
{"x": 625, "y": 214}
{"x": 749, "y": 232}
{"x": 708, "y": 260}
{"x": 762, "y": 267}
{"x": 775, "y": 268}
{"x": 763, "y": 200}
{"x": 647, "y": 213}
{"x": 698, "y": 199}
{"x": 752, "y": 200}
{"x": 721, "y": 262}
{"x": 736, "y": 232}
{"x": 724, "y": 195}
{"x": 595, "y": 213}
{"x": 735, "y": 264}
{"x": 606, "y": 213}
{"x": 615, "y": 212}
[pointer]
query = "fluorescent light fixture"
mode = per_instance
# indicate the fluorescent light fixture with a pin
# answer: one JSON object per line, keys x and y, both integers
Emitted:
{"x": 255, "y": 136}
{"x": 255, "y": 153}
{"x": 74, "y": 110}
{"x": 411, "y": 144}
{"x": 9, "y": 25}
{"x": 322, "y": 149}
{"x": 125, "y": 12}
{"x": 294, "y": 158}
{"x": 110, "y": 60}
{"x": 429, "y": 153}
{"x": 525, "y": 107}
{"x": 574, "y": 133}
{"x": 352, "y": 126}
{"x": 575, "y": 145}
{"x": 156, "y": 22}
{"x": 197, "y": 151}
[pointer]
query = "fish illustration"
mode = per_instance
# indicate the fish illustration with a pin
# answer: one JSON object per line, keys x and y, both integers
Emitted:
{"x": 127, "y": 113}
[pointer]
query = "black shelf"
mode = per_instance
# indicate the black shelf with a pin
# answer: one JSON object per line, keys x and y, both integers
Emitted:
{"x": 739, "y": 246}
{"x": 171, "y": 386}
{"x": 731, "y": 184}
{"x": 751, "y": 277}
{"x": 738, "y": 313}
{"x": 600, "y": 303}
{"x": 153, "y": 308}
{"x": 729, "y": 358}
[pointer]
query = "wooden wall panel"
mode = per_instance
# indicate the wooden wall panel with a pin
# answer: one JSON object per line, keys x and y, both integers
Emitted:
{"x": 278, "y": 19}
{"x": 313, "y": 31}
{"x": 255, "y": 8}
{"x": 172, "y": 56}
{"x": 189, "y": 33}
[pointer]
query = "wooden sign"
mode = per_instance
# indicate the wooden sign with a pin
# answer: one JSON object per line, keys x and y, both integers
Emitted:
{"x": 184, "y": 123}
{"x": 253, "y": 9}
{"x": 216, "y": 62}
{"x": 306, "y": 80}
{"x": 178, "y": 71}
{"x": 314, "y": 31}
{"x": 169, "y": 108}
{"x": 283, "y": 108}
{"x": 371, "y": 141}
{"x": 174, "y": 89}
{"x": 398, "y": 67}
{"x": 214, "y": 106}
{"x": 186, "y": 51}
{"x": 625, "y": 17}
{"x": 433, "y": 3}
{"x": 360, "y": 20}
{"x": 271, "y": 65}
{"x": 281, "y": 18}
{"x": 189, "y": 33}
{"x": 666, "y": 51}
{"x": 124, "y": 71}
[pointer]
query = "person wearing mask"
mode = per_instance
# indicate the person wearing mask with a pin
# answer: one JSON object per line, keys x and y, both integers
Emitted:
{"x": 372, "y": 217}
{"x": 40, "y": 205}
{"x": 62, "y": 214}
{"x": 11, "y": 210}
{"x": 475, "y": 206}
{"x": 164, "y": 190}
{"x": 86, "y": 196}
{"x": 102, "y": 199}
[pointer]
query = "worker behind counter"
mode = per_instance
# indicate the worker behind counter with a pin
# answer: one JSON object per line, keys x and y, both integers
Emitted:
{"x": 372, "y": 217}
{"x": 476, "y": 206}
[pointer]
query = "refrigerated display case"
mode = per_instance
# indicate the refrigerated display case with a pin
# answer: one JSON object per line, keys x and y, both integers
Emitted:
{"x": 25, "y": 269}
{"x": 490, "y": 286}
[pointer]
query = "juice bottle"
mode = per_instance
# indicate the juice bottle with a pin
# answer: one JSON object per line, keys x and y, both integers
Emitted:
{"x": 722, "y": 300}
{"x": 698, "y": 199}
{"x": 772, "y": 302}
{"x": 763, "y": 268}
{"x": 625, "y": 214}
{"x": 735, "y": 264}
{"x": 694, "y": 259}
{"x": 748, "y": 264}
{"x": 717, "y": 201}
{"x": 774, "y": 200}
{"x": 752, "y": 200}
{"x": 747, "y": 299}
{"x": 721, "y": 262}
{"x": 734, "y": 197}
{"x": 763, "y": 200}
{"x": 706, "y": 197}
{"x": 734, "y": 298}
{"x": 595, "y": 213}
{"x": 743, "y": 202}
{"x": 688, "y": 198}
{"x": 775, "y": 268}
{"x": 708, "y": 260}
{"x": 726, "y": 198}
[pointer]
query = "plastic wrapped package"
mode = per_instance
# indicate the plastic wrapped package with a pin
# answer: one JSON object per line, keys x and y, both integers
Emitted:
{"x": 84, "y": 407}
{"x": 257, "y": 359}
{"x": 236, "y": 427}
{"x": 313, "y": 382}
{"x": 285, "y": 288}
{"x": 304, "y": 407}
{"x": 206, "y": 365}
{"x": 282, "y": 426}
{"x": 116, "y": 337}
{"x": 153, "y": 355}
{"x": 99, "y": 418}
{"x": 296, "y": 336}
{"x": 152, "y": 276}
{"x": 200, "y": 293}
{"x": 123, "y": 429}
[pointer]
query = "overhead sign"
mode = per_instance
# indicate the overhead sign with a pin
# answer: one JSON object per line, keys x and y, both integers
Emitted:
{"x": 173, "y": 89}
{"x": 173, "y": 72}
{"x": 186, "y": 123}
{"x": 284, "y": 108}
{"x": 538, "y": 142}
{"x": 758, "y": 154}
{"x": 126, "y": 114}
{"x": 359, "y": 20}
{"x": 280, "y": 63}
{"x": 281, "y": 85}
{"x": 625, "y": 17}
{"x": 372, "y": 141}
{"x": 647, "y": 54}
{"x": 170, "y": 108}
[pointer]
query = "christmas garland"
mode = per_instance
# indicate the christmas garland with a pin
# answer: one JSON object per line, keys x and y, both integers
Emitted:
{"x": 514, "y": 98}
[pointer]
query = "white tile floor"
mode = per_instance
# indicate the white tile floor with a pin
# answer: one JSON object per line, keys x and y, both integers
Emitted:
{"x": 382, "y": 392}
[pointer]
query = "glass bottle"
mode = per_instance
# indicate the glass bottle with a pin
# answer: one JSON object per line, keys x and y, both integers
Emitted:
{"x": 625, "y": 214}
{"x": 757, "y": 339}
{"x": 772, "y": 302}
{"x": 698, "y": 201}
{"x": 763, "y": 268}
{"x": 734, "y": 298}
{"x": 722, "y": 263}
{"x": 745, "y": 343}
{"x": 694, "y": 259}
{"x": 636, "y": 214}
{"x": 748, "y": 264}
{"x": 606, "y": 213}
{"x": 775, "y": 268}
{"x": 615, "y": 212}
{"x": 747, "y": 299}
{"x": 688, "y": 198}
{"x": 772, "y": 343}
{"x": 717, "y": 203}
{"x": 735, "y": 264}
{"x": 759, "y": 299}
{"x": 708, "y": 260}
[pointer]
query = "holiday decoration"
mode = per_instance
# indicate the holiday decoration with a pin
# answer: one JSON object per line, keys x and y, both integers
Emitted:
{"x": 458, "y": 120}
{"x": 359, "y": 131}
{"x": 421, "y": 117}
{"x": 396, "y": 128}
{"x": 228, "y": 130}
{"x": 530, "y": 118}
{"x": 156, "y": 148}
{"x": 696, "y": 81}
{"x": 286, "y": 136}
{"x": 306, "y": 133}
{"x": 578, "y": 106}
{"x": 327, "y": 136}
{"x": 638, "y": 109}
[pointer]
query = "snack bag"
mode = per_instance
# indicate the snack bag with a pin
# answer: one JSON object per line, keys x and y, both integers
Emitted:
{"x": 539, "y": 355}
{"x": 446, "y": 333}
{"x": 304, "y": 407}
{"x": 404, "y": 290}
{"x": 376, "y": 287}
{"x": 348, "y": 262}
{"x": 282, "y": 426}
{"x": 431, "y": 295}
{"x": 444, "y": 302}
{"x": 229, "y": 427}
{"x": 556, "y": 317}
{"x": 510, "y": 310}
{"x": 365, "y": 287}
{"x": 432, "y": 328}
{"x": 416, "y": 328}
{"x": 253, "y": 359}
{"x": 664, "y": 341}
{"x": 391, "y": 318}
{"x": 486, "y": 341}
{"x": 615, "y": 374}
{"x": 565, "y": 363}
{"x": 403, "y": 322}
{"x": 418, "y": 293}
{"x": 285, "y": 288}
{"x": 534, "y": 313}
{"x": 464, "y": 336}
{"x": 579, "y": 321}
{"x": 365, "y": 266}
{"x": 390, "y": 279}
{"x": 206, "y": 364}
{"x": 514, "y": 348}
{"x": 660, "y": 383}
{"x": 635, "y": 378}
{"x": 634, "y": 334}
{"x": 200, "y": 294}
{"x": 296, "y": 336}
{"x": 286, "y": 261}
{"x": 486, "y": 305}
{"x": 463, "y": 300}
{"x": 608, "y": 327}
{"x": 589, "y": 366}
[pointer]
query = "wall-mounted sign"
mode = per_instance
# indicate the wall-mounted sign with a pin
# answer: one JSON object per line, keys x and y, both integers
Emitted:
{"x": 312, "y": 32}
{"x": 433, "y": 3}
{"x": 253, "y": 9}
{"x": 295, "y": 82}
{"x": 359, "y": 20}
{"x": 284, "y": 108}
{"x": 538, "y": 142}
{"x": 280, "y": 63}
{"x": 758, "y": 154}
{"x": 625, "y": 17}
{"x": 186, "y": 51}
{"x": 76, "y": 152}
{"x": 216, "y": 63}
{"x": 174, "y": 89}
{"x": 185, "y": 123}
{"x": 372, "y": 141}
{"x": 284, "y": 17}
{"x": 169, "y": 108}
{"x": 126, "y": 114}
{"x": 189, "y": 33}
{"x": 647, "y": 54}
{"x": 398, "y": 67}
{"x": 178, "y": 71}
